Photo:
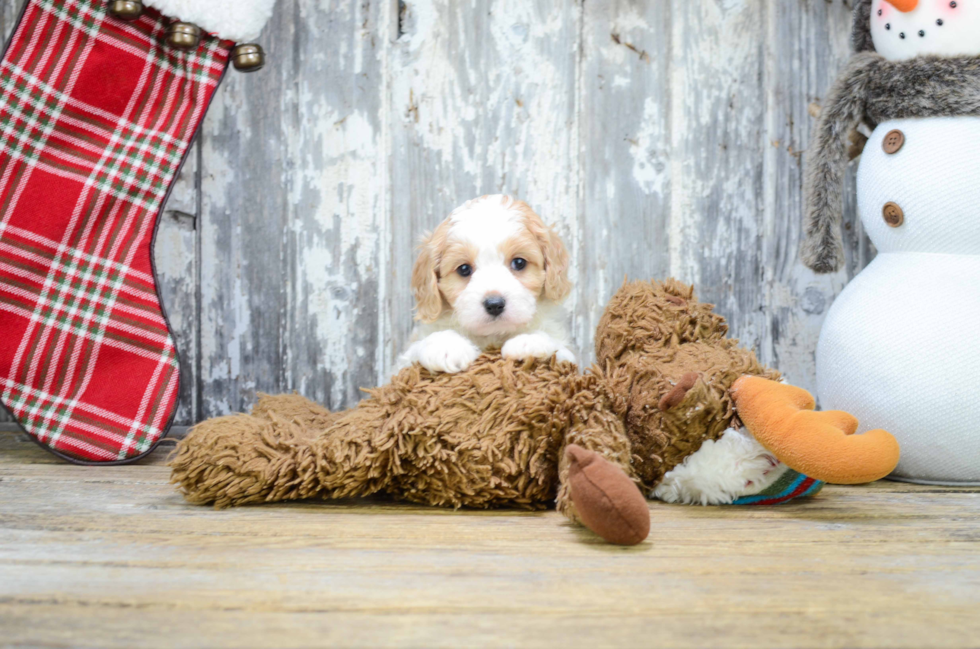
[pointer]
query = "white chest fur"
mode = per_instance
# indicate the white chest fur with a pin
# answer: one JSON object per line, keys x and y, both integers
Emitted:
{"x": 900, "y": 348}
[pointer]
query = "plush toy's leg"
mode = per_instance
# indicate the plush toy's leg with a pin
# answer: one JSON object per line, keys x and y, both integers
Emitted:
{"x": 289, "y": 448}
{"x": 595, "y": 484}
{"x": 241, "y": 459}
{"x": 356, "y": 457}
{"x": 821, "y": 445}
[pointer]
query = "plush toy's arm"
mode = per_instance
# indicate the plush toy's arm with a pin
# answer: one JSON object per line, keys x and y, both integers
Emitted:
{"x": 823, "y": 246}
{"x": 241, "y": 459}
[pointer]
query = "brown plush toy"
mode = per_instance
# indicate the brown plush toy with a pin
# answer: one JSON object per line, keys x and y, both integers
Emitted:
{"x": 505, "y": 433}
{"x": 680, "y": 385}
{"x": 670, "y": 365}
{"x": 494, "y": 435}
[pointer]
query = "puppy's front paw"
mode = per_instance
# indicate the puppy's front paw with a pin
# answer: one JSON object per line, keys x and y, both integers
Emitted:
{"x": 447, "y": 351}
{"x": 565, "y": 354}
{"x": 535, "y": 346}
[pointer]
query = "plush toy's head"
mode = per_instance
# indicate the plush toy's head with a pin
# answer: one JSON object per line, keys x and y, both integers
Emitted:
{"x": 669, "y": 364}
{"x": 646, "y": 317}
{"x": 904, "y": 29}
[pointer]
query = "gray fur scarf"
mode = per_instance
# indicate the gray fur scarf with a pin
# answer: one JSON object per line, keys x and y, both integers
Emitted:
{"x": 873, "y": 90}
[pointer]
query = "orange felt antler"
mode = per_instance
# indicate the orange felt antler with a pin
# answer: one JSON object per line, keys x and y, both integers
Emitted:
{"x": 821, "y": 445}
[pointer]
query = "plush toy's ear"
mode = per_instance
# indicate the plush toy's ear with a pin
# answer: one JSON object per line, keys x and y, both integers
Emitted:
{"x": 557, "y": 286}
{"x": 425, "y": 278}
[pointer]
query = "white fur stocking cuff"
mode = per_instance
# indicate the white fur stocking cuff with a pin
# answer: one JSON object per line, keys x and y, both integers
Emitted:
{"x": 235, "y": 20}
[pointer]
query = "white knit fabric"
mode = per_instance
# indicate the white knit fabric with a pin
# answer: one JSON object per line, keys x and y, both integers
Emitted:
{"x": 900, "y": 348}
{"x": 236, "y": 20}
{"x": 934, "y": 178}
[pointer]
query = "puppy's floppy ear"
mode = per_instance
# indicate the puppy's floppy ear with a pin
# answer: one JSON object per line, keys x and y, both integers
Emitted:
{"x": 425, "y": 278}
{"x": 557, "y": 286}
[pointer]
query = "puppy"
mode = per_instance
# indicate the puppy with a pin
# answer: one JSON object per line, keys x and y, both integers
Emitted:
{"x": 491, "y": 275}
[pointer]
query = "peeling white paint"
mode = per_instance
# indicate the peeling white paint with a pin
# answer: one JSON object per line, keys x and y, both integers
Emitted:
{"x": 621, "y": 144}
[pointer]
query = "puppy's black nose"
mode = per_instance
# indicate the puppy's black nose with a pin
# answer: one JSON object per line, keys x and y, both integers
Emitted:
{"x": 494, "y": 305}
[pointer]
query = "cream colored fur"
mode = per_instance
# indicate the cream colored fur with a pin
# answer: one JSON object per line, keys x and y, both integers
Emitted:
{"x": 720, "y": 472}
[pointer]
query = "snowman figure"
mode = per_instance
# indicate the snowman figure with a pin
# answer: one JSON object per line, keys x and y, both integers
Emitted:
{"x": 900, "y": 348}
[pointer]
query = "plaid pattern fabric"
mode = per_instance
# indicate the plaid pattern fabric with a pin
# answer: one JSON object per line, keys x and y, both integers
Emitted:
{"x": 96, "y": 116}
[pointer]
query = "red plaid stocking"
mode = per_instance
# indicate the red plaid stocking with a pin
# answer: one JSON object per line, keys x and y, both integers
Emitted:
{"x": 96, "y": 116}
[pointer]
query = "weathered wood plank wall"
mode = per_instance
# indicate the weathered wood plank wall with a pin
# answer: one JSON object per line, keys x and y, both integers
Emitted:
{"x": 662, "y": 137}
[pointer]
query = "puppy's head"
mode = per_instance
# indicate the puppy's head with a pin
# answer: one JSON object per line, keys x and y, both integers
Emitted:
{"x": 490, "y": 263}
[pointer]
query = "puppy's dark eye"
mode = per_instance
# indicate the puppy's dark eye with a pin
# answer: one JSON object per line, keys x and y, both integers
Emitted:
{"x": 465, "y": 270}
{"x": 518, "y": 263}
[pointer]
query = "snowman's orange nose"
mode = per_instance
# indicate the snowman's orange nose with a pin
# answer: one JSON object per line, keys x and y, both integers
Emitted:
{"x": 904, "y": 5}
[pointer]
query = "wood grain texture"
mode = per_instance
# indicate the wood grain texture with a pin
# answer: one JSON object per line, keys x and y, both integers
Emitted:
{"x": 808, "y": 43}
{"x": 717, "y": 141}
{"x": 624, "y": 152}
{"x": 113, "y": 557}
{"x": 482, "y": 102}
{"x": 662, "y": 138}
{"x": 175, "y": 258}
{"x": 292, "y": 213}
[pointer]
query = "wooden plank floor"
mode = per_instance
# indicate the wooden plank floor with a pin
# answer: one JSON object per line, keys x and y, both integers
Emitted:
{"x": 113, "y": 557}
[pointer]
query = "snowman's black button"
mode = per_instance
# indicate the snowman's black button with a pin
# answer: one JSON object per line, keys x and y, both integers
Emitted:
{"x": 894, "y": 215}
{"x": 893, "y": 142}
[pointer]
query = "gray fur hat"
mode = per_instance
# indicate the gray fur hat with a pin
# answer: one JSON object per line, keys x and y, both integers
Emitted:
{"x": 872, "y": 90}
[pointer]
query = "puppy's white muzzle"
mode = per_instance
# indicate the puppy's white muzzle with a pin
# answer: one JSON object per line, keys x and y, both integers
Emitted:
{"x": 494, "y": 303}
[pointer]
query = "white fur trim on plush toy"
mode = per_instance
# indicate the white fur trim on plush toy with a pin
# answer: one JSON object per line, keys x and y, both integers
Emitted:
{"x": 236, "y": 20}
{"x": 720, "y": 472}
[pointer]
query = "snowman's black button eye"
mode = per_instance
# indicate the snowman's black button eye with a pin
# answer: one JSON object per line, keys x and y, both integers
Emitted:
{"x": 953, "y": 5}
{"x": 879, "y": 12}
{"x": 922, "y": 33}
{"x": 940, "y": 22}
{"x": 888, "y": 25}
{"x": 902, "y": 35}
